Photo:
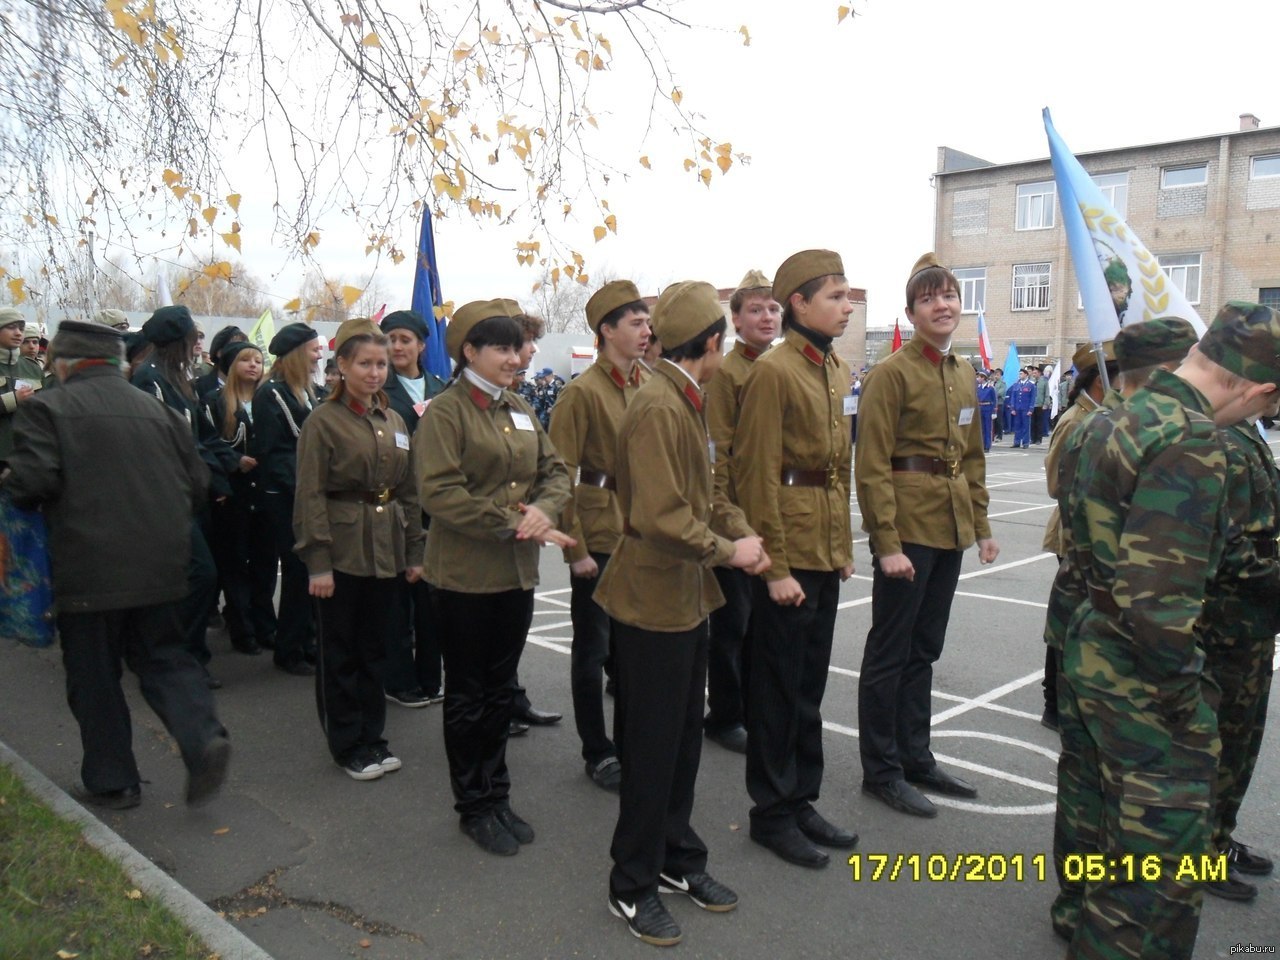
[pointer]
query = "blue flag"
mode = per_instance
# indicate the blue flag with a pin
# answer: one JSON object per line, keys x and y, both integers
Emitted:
{"x": 1121, "y": 282}
{"x": 427, "y": 297}
{"x": 1011, "y": 363}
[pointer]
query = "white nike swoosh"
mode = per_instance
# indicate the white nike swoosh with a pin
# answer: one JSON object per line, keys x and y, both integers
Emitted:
{"x": 681, "y": 886}
{"x": 628, "y": 910}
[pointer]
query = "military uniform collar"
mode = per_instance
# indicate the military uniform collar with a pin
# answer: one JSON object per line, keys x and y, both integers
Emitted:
{"x": 1171, "y": 385}
{"x": 927, "y": 350}
{"x": 813, "y": 346}
{"x": 360, "y": 410}
{"x": 1086, "y": 402}
{"x": 747, "y": 351}
{"x": 614, "y": 373}
{"x": 683, "y": 382}
{"x": 9, "y": 357}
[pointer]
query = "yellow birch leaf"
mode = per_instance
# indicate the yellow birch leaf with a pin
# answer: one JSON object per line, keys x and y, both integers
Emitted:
{"x": 193, "y": 228}
{"x": 573, "y": 25}
{"x": 232, "y": 240}
{"x": 180, "y": 191}
{"x": 481, "y": 72}
{"x": 536, "y": 287}
{"x": 599, "y": 233}
{"x": 568, "y": 271}
{"x": 312, "y": 239}
{"x": 608, "y": 47}
{"x": 122, "y": 90}
{"x": 705, "y": 174}
{"x": 233, "y": 201}
{"x": 351, "y": 294}
{"x": 17, "y": 290}
{"x": 611, "y": 222}
{"x": 583, "y": 59}
{"x": 218, "y": 271}
{"x": 370, "y": 40}
{"x": 170, "y": 177}
{"x": 558, "y": 21}
{"x": 604, "y": 204}
{"x": 567, "y": 207}
{"x": 29, "y": 220}
{"x": 66, "y": 955}
{"x": 475, "y": 206}
{"x": 724, "y": 163}
{"x": 210, "y": 214}
{"x": 410, "y": 139}
{"x": 3, "y": 273}
{"x": 644, "y": 162}
{"x": 555, "y": 276}
{"x": 724, "y": 149}
{"x": 352, "y": 20}
{"x": 746, "y": 35}
{"x": 134, "y": 894}
{"x": 460, "y": 52}
{"x": 161, "y": 51}
{"x": 689, "y": 164}
{"x": 293, "y": 305}
{"x": 491, "y": 34}
{"x": 49, "y": 217}
{"x": 597, "y": 63}
{"x": 841, "y": 13}
{"x": 116, "y": 63}
{"x": 676, "y": 96}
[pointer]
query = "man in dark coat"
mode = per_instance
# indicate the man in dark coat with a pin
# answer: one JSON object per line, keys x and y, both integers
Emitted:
{"x": 119, "y": 543}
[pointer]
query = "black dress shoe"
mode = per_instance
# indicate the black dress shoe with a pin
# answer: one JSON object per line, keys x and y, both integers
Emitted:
{"x": 1246, "y": 860}
{"x": 513, "y": 823}
{"x": 298, "y": 668}
{"x": 247, "y": 645}
{"x": 790, "y": 844}
{"x": 902, "y": 796}
{"x": 517, "y": 728}
{"x": 490, "y": 835}
{"x": 205, "y": 779}
{"x": 816, "y": 827}
{"x": 538, "y": 718}
{"x": 733, "y": 738}
{"x": 939, "y": 781}
{"x": 125, "y": 799}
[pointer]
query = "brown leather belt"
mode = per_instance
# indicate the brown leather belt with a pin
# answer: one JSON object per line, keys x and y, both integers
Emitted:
{"x": 1265, "y": 547}
{"x": 360, "y": 496}
{"x": 597, "y": 478}
{"x": 806, "y": 478}
{"x": 941, "y": 468}
{"x": 1103, "y": 602}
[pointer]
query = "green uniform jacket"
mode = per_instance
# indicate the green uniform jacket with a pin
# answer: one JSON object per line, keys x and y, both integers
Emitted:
{"x": 1065, "y": 428}
{"x": 345, "y": 448}
{"x": 476, "y": 459}
{"x": 660, "y": 576}
{"x": 14, "y": 367}
{"x": 724, "y": 398}
{"x": 1148, "y": 528}
{"x": 792, "y": 418}
{"x": 912, "y": 405}
{"x": 584, "y": 430}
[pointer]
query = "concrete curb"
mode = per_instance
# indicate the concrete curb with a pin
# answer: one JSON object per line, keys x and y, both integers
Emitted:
{"x": 218, "y": 935}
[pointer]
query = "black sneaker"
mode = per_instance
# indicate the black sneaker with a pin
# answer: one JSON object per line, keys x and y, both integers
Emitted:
{"x": 702, "y": 888}
{"x": 514, "y": 823}
{"x": 1240, "y": 857}
{"x": 490, "y": 835}
{"x": 607, "y": 774}
{"x": 647, "y": 919}
{"x": 437, "y": 697}
{"x": 384, "y": 758}
{"x": 1232, "y": 888}
{"x": 362, "y": 767}
{"x": 408, "y": 698}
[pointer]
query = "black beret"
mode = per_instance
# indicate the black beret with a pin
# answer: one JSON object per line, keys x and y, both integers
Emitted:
{"x": 222, "y": 338}
{"x": 410, "y": 320}
{"x": 134, "y": 343}
{"x": 290, "y": 337}
{"x": 231, "y": 350}
{"x": 168, "y": 324}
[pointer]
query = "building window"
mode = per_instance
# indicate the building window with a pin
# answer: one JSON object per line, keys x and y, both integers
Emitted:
{"x": 1032, "y": 350}
{"x": 1265, "y": 167}
{"x": 973, "y": 288}
{"x": 1194, "y": 176}
{"x": 1035, "y": 205}
{"x": 1115, "y": 187}
{"x": 1031, "y": 286}
{"x": 1269, "y": 297}
{"x": 1183, "y": 270}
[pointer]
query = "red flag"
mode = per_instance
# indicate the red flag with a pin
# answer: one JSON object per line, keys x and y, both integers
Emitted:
{"x": 897, "y": 337}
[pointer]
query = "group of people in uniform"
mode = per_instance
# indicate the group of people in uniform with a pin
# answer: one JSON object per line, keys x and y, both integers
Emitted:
{"x": 702, "y": 502}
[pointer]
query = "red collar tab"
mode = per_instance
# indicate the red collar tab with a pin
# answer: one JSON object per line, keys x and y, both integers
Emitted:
{"x": 619, "y": 380}
{"x": 480, "y": 398}
{"x": 813, "y": 354}
{"x": 358, "y": 409}
{"x": 750, "y": 352}
{"x": 694, "y": 396}
{"x": 932, "y": 355}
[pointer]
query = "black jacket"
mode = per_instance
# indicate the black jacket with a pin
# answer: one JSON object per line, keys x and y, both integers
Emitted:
{"x": 277, "y": 420}
{"x": 119, "y": 477}
{"x": 209, "y": 445}
{"x": 245, "y": 487}
{"x": 402, "y": 403}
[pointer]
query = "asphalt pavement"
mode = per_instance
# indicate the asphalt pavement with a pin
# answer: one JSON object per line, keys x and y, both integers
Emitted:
{"x": 312, "y": 865}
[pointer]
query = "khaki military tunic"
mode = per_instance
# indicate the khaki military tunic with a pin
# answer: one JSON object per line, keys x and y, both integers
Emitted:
{"x": 912, "y": 405}
{"x": 584, "y": 430}
{"x": 476, "y": 459}
{"x": 344, "y": 450}
{"x": 659, "y": 577}
{"x": 792, "y": 418}
{"x": 724, "y": 397}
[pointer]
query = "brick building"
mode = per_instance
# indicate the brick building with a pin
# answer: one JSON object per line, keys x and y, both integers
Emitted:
{"x": 1208, "y": 208}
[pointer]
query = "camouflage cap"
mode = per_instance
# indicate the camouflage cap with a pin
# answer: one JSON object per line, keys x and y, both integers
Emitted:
{"x": 355, "y": 327}
{"x": 470, "y": 314}
{"x": 685, "y": 310}
{"x": 799, "y": 268}
{"x": 754, "y": 280}
{"x": 1152, "y": 342}
{"x": 1245, "y": 339}
{"x": 1086, "y": 358}
{"x": 614, "y": 294}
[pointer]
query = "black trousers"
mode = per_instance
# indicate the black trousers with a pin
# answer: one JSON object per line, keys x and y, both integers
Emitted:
{"x": 295, "y": 625}
{"x": 790, "y": 654}
{"x": 658, "y": 724}
{"x": 150, "y": 641}
{"x": 481, "y": 635}
{"x": 590, "y": 652}
{"x": 727, "y": 652}
{"x": 202, "y": 593}
{"x": 1037, "y": 424}
{"x": 353, "y": 627}
{"x": 244, "y": 551}
{"x": 908, "y": 627}
{"x": 413, "y": 643}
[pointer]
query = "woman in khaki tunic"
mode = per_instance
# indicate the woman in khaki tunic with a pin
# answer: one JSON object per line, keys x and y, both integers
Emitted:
{"x": 356, "y": 519}
{"x": 494, "y": 488}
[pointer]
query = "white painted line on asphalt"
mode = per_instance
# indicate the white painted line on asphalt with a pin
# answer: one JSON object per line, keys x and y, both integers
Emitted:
{"x": 1010, "y": 513}
{"x": 551, "y": 626}
{"x": 860, "y": 602}
{"x": 950, "y": 697}
{"x": 988, "y": 697}
{"x": 1014, "y": 483}
{"x": 987, "y": 596}
{"x": 1005, "y": 566}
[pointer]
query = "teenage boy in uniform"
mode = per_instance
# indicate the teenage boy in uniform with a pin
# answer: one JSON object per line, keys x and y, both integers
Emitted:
{"x": 757, "y": 318}
{"x": 584, "y": 429}
{"x": 791, "y": 460}
{"x": 658, "y": 591}
{"x": 922, "y": 490}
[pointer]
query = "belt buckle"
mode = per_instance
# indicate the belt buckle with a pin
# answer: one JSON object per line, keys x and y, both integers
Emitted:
{"x": 384, "y": 495}
{"x": 953, "y": 469}
{"x": 832, "y": 477}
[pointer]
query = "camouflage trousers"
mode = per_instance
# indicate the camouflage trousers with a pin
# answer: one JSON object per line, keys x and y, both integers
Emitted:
{"x": 1079, "y": 813}
{"x": 1242, "y": 670}
{"x": 1157, "y": 764}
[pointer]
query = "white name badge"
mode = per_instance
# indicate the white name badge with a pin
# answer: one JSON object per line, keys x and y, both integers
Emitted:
{"x": 966, "y": 416}
{"x": 402, "y": 441}
{"x": 711, "y": 450}
{"x": 850, "y": 405}
{"x": 521, "y": 421}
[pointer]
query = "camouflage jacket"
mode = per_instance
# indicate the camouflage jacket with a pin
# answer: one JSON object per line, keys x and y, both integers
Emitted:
{"x": 1244, "y": 598}
{"x": 1147, "y": 530}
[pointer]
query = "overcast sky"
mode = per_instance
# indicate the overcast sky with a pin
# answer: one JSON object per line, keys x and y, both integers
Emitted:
{"x": 843, "y": 124}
